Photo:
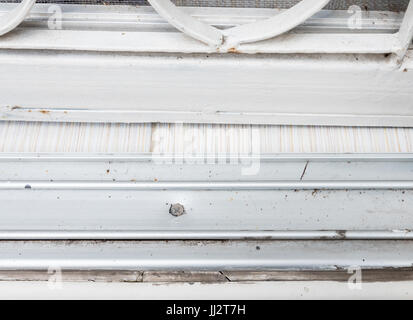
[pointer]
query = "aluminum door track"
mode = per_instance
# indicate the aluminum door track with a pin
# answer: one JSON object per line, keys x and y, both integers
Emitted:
{"x": 89, "y": 229}
{"x": 130, "y": 197}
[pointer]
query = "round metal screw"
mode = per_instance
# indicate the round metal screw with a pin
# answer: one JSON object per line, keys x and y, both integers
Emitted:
{"x": 177, "y": 209}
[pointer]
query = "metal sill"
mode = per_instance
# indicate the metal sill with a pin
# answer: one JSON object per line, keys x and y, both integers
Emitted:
{"x": 334, "y": 90}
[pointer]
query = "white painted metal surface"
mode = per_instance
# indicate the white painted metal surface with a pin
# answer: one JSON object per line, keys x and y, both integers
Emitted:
{"x": 274, "y": 26}
{"x": 230, "y": 40}
{"x": 148, "y": 33}
{"x": 353, "y": 43}
{"x": 370, "y": 88}
{"x": 127, "y": 18}
{"x": 340, "y": 90}
{"x": 187, "y": 24}
{"x": 406, "y": 31}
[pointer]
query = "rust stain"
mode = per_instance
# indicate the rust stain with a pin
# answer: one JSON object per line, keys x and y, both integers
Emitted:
{"x": 233, "y": 50}
{"x": 44, "y": 111}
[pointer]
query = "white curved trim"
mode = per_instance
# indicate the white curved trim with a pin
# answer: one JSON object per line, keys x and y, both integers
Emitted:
{"x": 12, "y": 19}
{"x": 186, "y": 23}
{"x": 276, "y": 25}
{"x": 251, "y": 32}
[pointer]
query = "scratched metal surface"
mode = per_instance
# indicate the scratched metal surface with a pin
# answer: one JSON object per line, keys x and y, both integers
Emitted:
{"x": 199, "y": 138}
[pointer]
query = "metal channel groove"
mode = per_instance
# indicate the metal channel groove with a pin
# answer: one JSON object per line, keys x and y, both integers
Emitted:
{"x": 205, "y": 255}
{"x": 301, "y": 197}
{"x": 201, "y": 185}
{"x": 181, "y": 159}
{"x": 247, "y": 235}
{"x": 129, "y": 228}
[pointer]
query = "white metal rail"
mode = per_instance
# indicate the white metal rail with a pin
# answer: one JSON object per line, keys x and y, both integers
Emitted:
{"x": 243, "y": 38}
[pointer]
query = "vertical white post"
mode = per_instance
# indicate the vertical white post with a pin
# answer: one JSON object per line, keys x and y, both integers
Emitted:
{"x": 406, "y": 31}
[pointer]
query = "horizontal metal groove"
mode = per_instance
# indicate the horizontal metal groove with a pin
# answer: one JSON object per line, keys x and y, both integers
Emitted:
{"x": 190, "y": 159}
{"x": 205, "y": 255}
{"x": 203, "y": 185}
{"x": 399, "y": 274}
{"x": 205, "y": 235}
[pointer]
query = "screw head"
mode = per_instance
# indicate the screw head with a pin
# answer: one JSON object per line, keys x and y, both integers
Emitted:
{"x": 177, "y": 209}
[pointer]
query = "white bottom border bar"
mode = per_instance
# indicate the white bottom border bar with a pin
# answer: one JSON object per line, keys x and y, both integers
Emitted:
{"x": 301, "y": 290}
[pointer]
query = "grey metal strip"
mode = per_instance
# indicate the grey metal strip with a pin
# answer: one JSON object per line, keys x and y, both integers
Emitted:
{"x": 303, "y": 196}
{"x": 211, "y": 185}
{"x": 210, "y": 214}
{"x": 203, "y": 235}
{"x": 149, "y": 157}
{"x": 205, "y": 255}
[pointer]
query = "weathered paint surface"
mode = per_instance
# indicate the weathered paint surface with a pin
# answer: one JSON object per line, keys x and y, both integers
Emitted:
{"x": 334, "y": 90}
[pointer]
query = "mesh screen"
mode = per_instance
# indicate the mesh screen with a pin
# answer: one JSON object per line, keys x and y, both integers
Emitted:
{"x": 382, "y": 5}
